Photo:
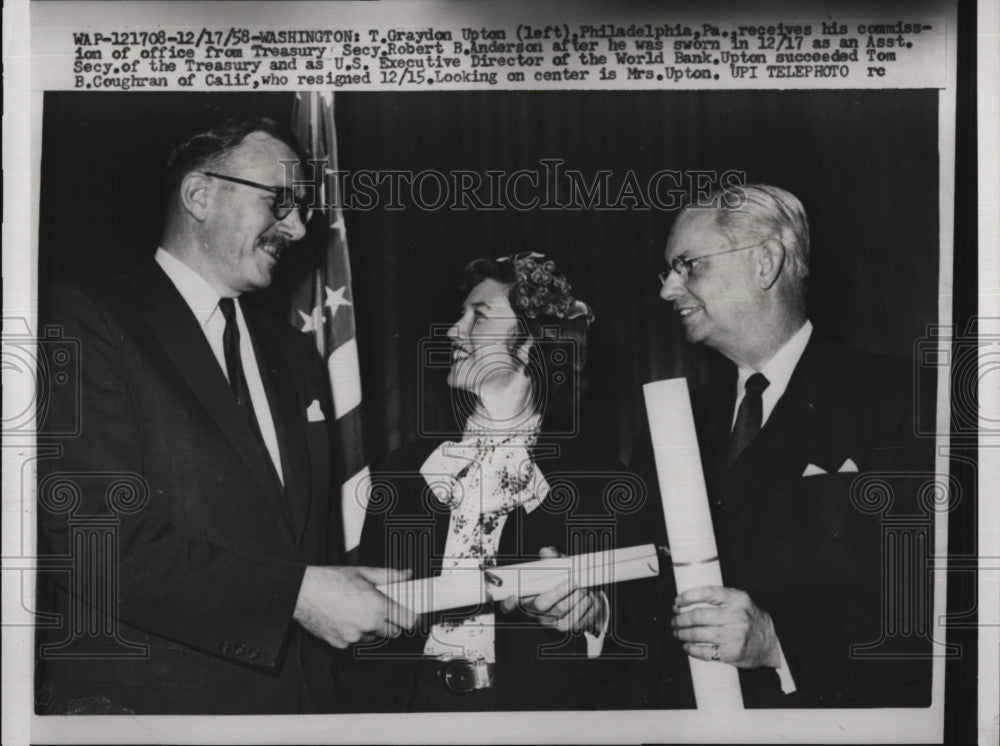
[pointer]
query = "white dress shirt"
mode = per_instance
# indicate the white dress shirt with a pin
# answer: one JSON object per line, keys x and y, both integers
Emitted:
{"x": 203, "y": 300}
{"x": 778, "y": 371}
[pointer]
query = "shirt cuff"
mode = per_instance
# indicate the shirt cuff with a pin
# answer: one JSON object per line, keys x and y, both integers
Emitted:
{"x": 784, "y": 675}
{"x": 595, "y": 643}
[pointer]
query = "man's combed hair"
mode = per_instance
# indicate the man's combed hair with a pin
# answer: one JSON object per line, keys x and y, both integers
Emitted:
{"x": 764, "y": 211}
{"x": 207, "y": 151}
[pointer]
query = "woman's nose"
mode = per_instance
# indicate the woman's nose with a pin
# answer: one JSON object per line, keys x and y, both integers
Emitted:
{"x": 457, "y": 329}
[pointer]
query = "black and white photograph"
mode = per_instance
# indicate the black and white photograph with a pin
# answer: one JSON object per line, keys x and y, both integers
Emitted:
{"x": 637, "y": 410}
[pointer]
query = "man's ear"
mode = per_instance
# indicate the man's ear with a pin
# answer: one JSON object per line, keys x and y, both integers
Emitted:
{"x": 770, "y": 261}
{"x": 195, "y": 196}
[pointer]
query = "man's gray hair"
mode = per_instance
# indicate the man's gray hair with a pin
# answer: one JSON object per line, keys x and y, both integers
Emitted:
{"x": 764, "y": 212}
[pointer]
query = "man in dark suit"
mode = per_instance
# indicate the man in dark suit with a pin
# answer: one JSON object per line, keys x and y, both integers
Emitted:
{"x": 195, "y": 503}
{"x": 787, "y": 439}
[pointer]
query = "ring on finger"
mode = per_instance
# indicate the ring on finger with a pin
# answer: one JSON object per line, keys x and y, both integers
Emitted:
{"x": 715, "y": 651}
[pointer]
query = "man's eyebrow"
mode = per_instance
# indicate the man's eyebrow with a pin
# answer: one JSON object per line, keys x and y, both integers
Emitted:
{"x": 480, "y": 304}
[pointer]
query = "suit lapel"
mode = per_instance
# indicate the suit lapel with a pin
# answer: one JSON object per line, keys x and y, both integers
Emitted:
{"x": 174, "y": 326}
{"x": 783, "y": 434}
{"x": 713, "y": 411}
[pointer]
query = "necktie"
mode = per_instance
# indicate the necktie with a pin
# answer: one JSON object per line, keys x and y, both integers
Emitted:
{"x": 238, "y": 380}
{"x": 231, "y": 349}
{"x": 748, "y": 417}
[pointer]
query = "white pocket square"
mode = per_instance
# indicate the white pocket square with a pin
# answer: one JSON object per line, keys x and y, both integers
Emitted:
{"x": 315, "y": 413}
{"x": 812, "y": 470}
{"x": 848, "y": 467}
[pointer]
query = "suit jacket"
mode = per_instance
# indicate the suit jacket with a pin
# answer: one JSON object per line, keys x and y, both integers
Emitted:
{"x": 207, "y": 551}
{"x": 809, "y": 548}
{"x": 538, "y": 668}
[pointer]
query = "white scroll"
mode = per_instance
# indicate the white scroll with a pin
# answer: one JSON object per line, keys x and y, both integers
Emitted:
{"x": 689, "y": 523}
{"x": 473, "y": 587}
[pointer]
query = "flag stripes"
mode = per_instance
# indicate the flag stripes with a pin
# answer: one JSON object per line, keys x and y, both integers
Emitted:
{"x": 323, "y": 307}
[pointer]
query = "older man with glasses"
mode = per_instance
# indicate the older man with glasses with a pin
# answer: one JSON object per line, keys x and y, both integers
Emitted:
{"x": 783, "y": 438}
{"x": 223, "y": 591}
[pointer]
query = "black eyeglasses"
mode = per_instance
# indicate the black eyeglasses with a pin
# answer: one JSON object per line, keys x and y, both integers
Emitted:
{"x": 284, "y": 202}
{"x": 683, "y": 265}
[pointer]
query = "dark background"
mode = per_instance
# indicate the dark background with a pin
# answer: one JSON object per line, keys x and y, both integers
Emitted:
{"x": 864, "y": 164}
{"x": 102, "y": 156}
{"x": 101, "y": 210}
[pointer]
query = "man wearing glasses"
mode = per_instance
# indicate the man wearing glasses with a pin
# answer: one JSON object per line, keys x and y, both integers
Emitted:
{"x": 223, "y": 591}
{"x": 783, "y": 438}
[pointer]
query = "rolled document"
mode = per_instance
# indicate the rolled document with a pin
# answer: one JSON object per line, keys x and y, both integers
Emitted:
{"x": 689, "y": 523}
{"x": 473, "y": 587}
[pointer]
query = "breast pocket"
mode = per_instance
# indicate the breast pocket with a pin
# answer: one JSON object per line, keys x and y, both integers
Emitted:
{"x": 845, "y": 534}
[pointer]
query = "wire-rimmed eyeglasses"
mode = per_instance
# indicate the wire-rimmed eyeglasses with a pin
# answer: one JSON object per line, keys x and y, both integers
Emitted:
{"x": 683, "y": 265}
{"x": 285, "y": 199}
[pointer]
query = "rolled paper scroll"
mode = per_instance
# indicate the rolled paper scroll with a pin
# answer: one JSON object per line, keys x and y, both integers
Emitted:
{"x": 473, "y": 587}
{"x": 689, "y": 523}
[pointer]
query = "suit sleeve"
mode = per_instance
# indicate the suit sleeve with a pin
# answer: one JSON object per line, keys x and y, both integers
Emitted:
{"x": 174, "y": 584}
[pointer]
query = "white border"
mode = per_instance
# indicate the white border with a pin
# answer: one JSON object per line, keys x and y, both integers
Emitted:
{"x": 21, "y": 109}
{"x": 988, "y": 129}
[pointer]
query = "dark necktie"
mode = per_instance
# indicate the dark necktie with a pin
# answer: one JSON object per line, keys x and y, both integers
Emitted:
{"x": 748, "y": 417}
{"x": 238, "y": 380}
{"x": 231, "y": 349}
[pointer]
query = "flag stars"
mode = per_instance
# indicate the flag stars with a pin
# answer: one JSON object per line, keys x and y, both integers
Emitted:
{"x": 312, "y": 322}
{"x": 335, "y": 299}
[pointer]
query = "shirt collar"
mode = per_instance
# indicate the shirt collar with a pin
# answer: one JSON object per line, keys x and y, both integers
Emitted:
{"x": 201, "y": 297}
{"x": 778, "y": 370}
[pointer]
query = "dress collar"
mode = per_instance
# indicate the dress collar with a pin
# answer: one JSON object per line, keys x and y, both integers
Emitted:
{"x": 496, "y": 465}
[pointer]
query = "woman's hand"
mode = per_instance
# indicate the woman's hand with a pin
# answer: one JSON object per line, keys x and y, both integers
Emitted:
{"x": 564, "y": 607}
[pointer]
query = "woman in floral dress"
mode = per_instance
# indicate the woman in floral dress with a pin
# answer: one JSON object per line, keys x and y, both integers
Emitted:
{"x": 516, "y": 487}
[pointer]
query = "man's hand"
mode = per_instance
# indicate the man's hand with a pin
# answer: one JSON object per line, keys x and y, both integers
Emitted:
{"x": 731, "y": 629}
{"x": 342, "y": 606}
{"x": 563, "y": 607}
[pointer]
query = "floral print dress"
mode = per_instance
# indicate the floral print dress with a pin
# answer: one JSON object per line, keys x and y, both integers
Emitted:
{"x": 482, "y": 480}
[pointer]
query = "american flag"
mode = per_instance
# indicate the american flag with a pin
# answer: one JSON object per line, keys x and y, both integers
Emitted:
{"x": 323, "y": 307}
